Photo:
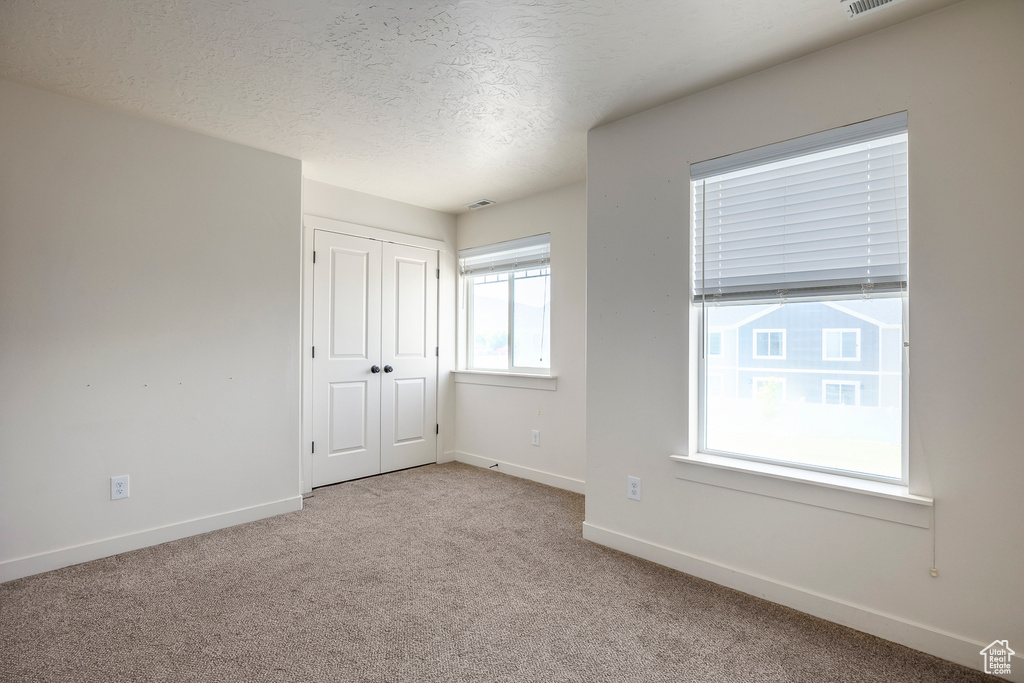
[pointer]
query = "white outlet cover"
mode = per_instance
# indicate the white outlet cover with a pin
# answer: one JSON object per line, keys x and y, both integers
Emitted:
{"x": 535, "y": 437}
{"x": 633, "y": 490}
{"x": 119, "y": 487}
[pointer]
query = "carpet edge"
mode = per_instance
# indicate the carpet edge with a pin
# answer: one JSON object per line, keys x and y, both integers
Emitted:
{"x": 954, "y": 648}
{"x": 557, "y": 480}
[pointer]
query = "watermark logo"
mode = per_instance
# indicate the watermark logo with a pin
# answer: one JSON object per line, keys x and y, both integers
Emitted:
{"x": 997, "y": 657}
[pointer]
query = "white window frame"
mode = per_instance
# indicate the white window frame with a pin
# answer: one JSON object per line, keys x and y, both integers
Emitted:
{"x": 840, "y": 383}
{"x": 841, "y": 331}
{"x": 769, "y": 332}
{"x": 507, "y": 266}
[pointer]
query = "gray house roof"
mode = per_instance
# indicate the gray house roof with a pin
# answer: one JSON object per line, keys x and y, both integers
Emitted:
{"x": 734, "y": 316}
{"x": 881, "y": 311}
{"x": 885, "y": 312}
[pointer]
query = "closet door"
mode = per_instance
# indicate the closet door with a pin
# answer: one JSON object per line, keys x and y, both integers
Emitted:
{"x": 409, "y": 355}
{"x": 347, "y": 343}
{"x": 375, "y": 362}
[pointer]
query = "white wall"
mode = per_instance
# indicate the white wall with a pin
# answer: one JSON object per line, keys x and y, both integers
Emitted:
{"x": 493, "y": 423}
{"x": 340, "y": 204}
{"x": 959, "y": 74}
{"x": 149, "y": 326}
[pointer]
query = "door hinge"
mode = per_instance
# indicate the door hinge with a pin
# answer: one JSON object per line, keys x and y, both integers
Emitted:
{"x": 314, "y": 352}
{"x": 437, "y": 428}
{"x": 437, "y": 351}
{"x": 438, "y": 273}
{"x": 312, "y": 446}
{"x": 314, "y": 257}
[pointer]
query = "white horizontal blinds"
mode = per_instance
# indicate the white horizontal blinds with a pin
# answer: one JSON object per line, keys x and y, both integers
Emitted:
{"x": 830, "y": 217}
{"x": 521, "y": 254}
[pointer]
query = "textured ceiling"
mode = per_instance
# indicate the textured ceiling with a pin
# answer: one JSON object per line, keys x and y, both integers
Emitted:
{"x": 432, "y": 103}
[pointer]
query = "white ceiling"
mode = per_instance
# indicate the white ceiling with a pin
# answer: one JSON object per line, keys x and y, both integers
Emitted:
{"x": 432, "y": 103}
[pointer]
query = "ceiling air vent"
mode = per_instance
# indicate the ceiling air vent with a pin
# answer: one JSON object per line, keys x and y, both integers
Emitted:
{"x": 479, "y": 204}
{"x": 855, "y": 8}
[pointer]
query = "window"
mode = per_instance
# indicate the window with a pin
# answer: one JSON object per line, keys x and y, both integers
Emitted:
{"x": 800, "y": 251}
{"x": 840, "y": 393}
{"x": 715, "y": 343}
{"x": 508, "y": 305}
{"x": 770, "y": 344}
{"x": 840, "y": 344}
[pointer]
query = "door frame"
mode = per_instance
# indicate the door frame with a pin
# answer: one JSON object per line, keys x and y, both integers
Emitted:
{"x": 309, "y": 225}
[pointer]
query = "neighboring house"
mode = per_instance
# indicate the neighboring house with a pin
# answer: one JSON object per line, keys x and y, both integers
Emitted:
{"x": 844, "y": 354}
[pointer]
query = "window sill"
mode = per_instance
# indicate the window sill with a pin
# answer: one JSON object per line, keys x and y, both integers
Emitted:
{"x": 506, "y": 379}
{"x": 891, "y": 502}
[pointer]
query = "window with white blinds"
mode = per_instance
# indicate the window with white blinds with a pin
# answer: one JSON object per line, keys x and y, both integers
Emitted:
{"x": 507, "y": 305}
{"x": 800, "y": 270}
{"x": 820, "y": 215}
{"x": 503, "y": 257}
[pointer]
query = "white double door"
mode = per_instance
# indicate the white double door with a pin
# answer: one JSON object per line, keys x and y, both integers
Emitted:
{"x": 375, "y": 357}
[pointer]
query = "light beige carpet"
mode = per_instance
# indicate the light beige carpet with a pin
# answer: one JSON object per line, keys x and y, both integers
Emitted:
{"x": 441, "y": 573}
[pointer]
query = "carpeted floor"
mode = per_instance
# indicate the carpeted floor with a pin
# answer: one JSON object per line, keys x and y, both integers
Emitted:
{"x": 441, "y": 573}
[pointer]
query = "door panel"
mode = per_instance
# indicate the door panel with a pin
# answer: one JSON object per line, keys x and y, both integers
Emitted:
{"x": 350, "y": 292}
{"x": 410, "y": 406}
{"x": 409, "y": 331}
{"x": 410, "y": 309}
{"x": 346, "y": 335}
{"x": 348, "y": 417}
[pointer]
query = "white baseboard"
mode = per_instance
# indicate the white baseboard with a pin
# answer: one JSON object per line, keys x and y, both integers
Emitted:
{"x": 919, "y": 637}
{"x": 65, "y": 557}
{"x": 556, "y": 480}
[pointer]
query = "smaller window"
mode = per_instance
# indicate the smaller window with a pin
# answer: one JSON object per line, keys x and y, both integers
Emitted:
{"x": 714, "y": 343}
{"x": 840, "y": 344}
{"x": 770, "y": 344}
{"x": 840, "y": 393}
{"x": 508, "y": 305}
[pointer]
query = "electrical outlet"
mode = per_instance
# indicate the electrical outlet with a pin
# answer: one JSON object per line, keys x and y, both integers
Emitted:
{"x": 119, "y": 487}
{"x": 633, "y": 491}
{"x": 535, "y": 437}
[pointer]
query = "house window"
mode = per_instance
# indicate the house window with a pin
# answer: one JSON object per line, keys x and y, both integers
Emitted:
{"x": 840, "y": 393}
{"x": 770, "y": 344}
{"x": 714, "y": 343}
{"x": 508, "y": 305}
{"x": 840, "y": 344}
{"x": 800, "y": 251}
